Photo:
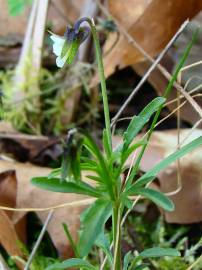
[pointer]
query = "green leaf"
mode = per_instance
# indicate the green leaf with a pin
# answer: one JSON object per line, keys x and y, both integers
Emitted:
{"x": 147, "y": 177}
{"x": 126, "y": 260}
{"x": 181, "y": 63}
{"x": 157, "y": 197}
{"x": 94, "y": 178}
{"x": 131, "y": 149}
{"x": 77, "y": 263}
{"x": 90, "y": 167}
{"x": 71, "y": 241}
{"x": 103, "y": 243}
{"x": 55, "y": 173}
{"x": 94, "y": 150}
{"x": 126, "y": 201}
{"x": 159, "y": 252}
{"x": 102, "y": 166}
{"x": 88, "y": 161}
{"x": 138, "y": 122}
{"x": 93, "y": 222}
{"x": 54, "y": 184}
{"x": 16, "y": 7}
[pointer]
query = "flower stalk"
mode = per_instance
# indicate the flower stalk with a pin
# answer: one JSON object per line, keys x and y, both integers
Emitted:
{"x": 101, "y": 74}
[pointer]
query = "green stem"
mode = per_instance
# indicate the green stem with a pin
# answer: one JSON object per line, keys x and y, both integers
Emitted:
{"x": 102, "y": 81}
{"x": 117, "y": 236}
{"x": 69, "y": 237}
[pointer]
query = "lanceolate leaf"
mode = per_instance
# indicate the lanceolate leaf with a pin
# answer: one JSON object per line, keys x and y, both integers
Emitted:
{"x": 72, "y": 263}
{"x": 147, "y": 177}
{"x": 157, "y": 197}
{"x": 95, "y": 151}
{"x": 54, "y": 184}
{"x": 126, "y": 261}
{"x": 93, "y": 223}
{"x": 104, "y": 243}
{"x": 70, "y": 239}
{"x": 159, "y": 252}
{"x": 131, "y": 149}
{"x": 138, "y": 122}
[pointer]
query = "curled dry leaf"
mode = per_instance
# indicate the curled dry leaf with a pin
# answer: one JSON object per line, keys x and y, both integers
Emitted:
{"x": 8, "y": 237}
{"x": 8, "y": 188}
{"x": 189, "y": 199}
{"x": 29, "y": 196}
{"x": 10, "y": 233}
{"x": 150, "y": 23}
{"x": 23, "y": 147}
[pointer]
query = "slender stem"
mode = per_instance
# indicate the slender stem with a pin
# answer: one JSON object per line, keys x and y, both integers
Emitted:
{"x": 69, "y": 237}
{"x": 102, "y": 81}
{"x": 116, "y": 217}
{"x": 117, "y": 236}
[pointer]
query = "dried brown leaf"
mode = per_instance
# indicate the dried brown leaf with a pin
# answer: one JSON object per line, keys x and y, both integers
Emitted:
{"x": 8, "y": 193}
{"x": 151, "y": 30}
{"x": 8, "y": 188}
{"x": 25, "y": 147}
{"x": 29, "y": 196}
{"x": 8, "y": 237}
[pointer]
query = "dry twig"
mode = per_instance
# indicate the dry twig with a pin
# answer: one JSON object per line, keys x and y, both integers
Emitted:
{"x": 34, "y": 250}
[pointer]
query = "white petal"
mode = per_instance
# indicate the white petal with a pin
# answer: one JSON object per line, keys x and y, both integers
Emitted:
{"x": 60, "y": 61}
{"x": 58, "y": 43}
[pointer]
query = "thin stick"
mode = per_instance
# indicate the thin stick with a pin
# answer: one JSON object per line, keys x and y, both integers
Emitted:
{"x": 179, "y": 179}
{"x": 147, "y": 74}
{"x": 195, "y": 263}
{"x": 70, "y": 204}
{"x": 38, "y": 37}
{"x": 34, "y": 250}
{"x": 191, "y": 131}
{"x": 19, "y": 76}
{"x": 191, "y": 65}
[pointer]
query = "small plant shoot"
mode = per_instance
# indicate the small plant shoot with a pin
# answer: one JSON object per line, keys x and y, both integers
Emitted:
{"x": 105, "y": 168}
